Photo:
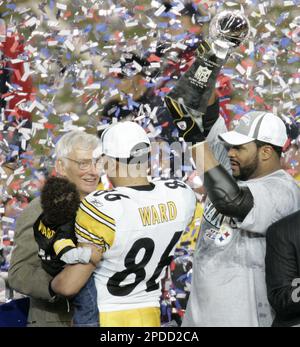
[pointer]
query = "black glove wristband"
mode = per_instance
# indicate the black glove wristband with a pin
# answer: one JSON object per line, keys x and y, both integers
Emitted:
{"x": 210, "y": 117}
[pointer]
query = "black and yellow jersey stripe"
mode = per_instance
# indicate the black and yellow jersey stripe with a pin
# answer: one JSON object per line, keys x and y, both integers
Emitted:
{"x": 94, "y": 212}
{"x": 94, "y": 226}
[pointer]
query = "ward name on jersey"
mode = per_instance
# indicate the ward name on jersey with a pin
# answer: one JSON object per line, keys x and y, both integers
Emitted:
{"x": 151, "y": 215}
{"x": 138, "y": 229}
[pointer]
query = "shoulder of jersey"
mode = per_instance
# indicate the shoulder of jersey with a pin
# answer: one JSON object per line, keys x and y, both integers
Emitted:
{"x": 176, "y": 186}
{"x": 106, "y": 200}
{"x": 171, "y": 183}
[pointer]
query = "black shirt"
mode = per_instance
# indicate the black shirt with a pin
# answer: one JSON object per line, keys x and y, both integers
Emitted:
{"x": 283, "y": 268}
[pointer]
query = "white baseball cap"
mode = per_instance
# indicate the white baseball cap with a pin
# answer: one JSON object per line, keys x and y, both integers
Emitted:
{"x": 257, "y": 125}
{"x": 125, "y": 140}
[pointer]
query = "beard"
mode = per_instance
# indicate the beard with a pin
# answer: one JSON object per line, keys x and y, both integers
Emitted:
{"x": 247, "y": 171}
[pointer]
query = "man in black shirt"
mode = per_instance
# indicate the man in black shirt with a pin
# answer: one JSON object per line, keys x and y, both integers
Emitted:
{"x": 283, "y": 270}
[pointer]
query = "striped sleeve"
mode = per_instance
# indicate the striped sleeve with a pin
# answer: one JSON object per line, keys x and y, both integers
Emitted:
{"x": 94, "y": 226}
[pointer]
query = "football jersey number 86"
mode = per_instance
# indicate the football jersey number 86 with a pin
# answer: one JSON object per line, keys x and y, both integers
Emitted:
{"x": 114, "y": 283}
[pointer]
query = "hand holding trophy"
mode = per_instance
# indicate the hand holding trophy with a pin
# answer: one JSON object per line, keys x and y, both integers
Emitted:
{"x": 187, "y": 101}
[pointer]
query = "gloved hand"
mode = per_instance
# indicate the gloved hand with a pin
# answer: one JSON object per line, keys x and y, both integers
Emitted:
{"x": 193, "y": 128}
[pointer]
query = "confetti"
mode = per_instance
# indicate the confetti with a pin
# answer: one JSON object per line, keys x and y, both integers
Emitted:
{"x": 65, "y": 63}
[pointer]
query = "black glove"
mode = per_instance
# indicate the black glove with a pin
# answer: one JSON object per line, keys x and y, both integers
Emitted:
{"x": 193, "y": 129}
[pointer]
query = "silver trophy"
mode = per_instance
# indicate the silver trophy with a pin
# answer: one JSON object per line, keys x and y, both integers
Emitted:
{"x": 227, "y": 30}
{"x": 191, "y": 93}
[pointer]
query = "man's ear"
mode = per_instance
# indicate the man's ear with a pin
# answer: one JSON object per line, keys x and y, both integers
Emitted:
{"x": 266, "y": 152}
{"x": 60, "y": 168}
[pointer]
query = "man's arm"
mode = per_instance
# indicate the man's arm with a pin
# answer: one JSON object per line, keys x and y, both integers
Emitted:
{"x": 26, "y": 274}
{"x": 73, "y": 277}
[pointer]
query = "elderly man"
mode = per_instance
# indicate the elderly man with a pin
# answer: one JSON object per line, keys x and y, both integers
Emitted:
{"x": 74, "y": 160}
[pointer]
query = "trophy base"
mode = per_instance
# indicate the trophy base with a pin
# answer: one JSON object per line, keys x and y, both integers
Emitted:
{"x": 195, "y": 87}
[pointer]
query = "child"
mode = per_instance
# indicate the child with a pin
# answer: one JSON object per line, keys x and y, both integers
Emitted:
{"x": 54, "y": 233}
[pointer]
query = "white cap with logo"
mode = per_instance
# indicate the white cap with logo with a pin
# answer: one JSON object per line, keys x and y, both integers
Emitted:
{"x": 257, "y": 125}
{"x": 125, "y": 140}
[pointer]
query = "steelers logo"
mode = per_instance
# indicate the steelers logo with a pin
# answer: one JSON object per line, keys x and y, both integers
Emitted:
{"x": 182, "y": 125}
{"x": 224, "y": 235}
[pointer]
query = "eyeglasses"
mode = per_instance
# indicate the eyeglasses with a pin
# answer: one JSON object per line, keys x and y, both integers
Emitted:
{"x": 85, "y": 165}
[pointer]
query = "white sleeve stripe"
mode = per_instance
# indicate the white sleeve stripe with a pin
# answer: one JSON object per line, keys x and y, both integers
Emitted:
{"x": 86, "y": 232}
{"x": 88, "y": 238}
{"x": 98, "y": 212}
{"x": 97, "y": 218}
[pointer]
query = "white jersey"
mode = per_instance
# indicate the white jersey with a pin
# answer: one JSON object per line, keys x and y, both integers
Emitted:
{"x": 138, "y": 229}
{"x": 228, "y": 284}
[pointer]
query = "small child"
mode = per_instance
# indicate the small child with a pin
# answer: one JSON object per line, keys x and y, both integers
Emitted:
{"x": 54, "y": 232}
